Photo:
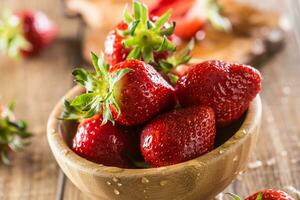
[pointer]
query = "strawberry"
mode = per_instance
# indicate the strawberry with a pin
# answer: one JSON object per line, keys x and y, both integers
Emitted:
{"x": 12, "y": 133}
{"x": 140, "y": 37}
{"x": 192, "y": 16}
{"x": 227, "y": 88}
{"x": 131, "y": 92}
{"x": 269, "y": 194}
{"x": 187, "y": 28}
{"x": 104, "y": 144}
{"x": 179, "y": 8}
{"x": 37, "y": 29}
{"x": 178, "y": 136}
{"x": 26, "y": 33}
{"x": 144, "y": 86}
{"x": 115, "y": 51}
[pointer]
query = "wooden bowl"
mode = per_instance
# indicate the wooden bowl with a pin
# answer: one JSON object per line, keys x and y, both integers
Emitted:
{"x": 198, "y": 179}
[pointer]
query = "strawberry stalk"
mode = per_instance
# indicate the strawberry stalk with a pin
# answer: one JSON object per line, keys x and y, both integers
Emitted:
{"x": 100, "y": 92}
{"x": 12, "y": 133}
{"x": 11, "y": 36}
{"x": 176, "y": 59}
{"x": 145, "y": 37}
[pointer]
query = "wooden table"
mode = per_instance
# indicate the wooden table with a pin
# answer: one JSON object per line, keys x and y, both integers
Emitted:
{"x": 37, "y": 84}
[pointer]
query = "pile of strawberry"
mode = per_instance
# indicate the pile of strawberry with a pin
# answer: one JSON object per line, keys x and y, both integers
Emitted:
{"x": 136, "y": 108}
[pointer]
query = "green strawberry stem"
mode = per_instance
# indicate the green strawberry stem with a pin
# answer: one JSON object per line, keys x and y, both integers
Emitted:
{"x": 99, "y": 96}
{"x": 236, "y": 197}
{"x": 213, "y": 15}
{"x": 11, "y": 37}
{"x": 145, "y": 37}
{"x": 177, "y": 58}
{"x": 12, "y": 134}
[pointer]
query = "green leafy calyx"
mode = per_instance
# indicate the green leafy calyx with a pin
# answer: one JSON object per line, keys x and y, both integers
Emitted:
{"x": 100, "y": 92}
{"x": 12, "y": 133}
{"x": 11, "y": 37}
{"x": 145, "y": 37}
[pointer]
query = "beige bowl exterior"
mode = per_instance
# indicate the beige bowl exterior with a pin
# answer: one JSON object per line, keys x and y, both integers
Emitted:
{"x": 198, "y": 179}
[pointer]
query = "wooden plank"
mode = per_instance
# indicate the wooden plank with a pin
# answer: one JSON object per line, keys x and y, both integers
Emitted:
{"x": 36, "y": 85}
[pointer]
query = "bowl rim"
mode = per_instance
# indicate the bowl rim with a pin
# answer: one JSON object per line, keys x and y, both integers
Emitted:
{"x": 60, "y": 148}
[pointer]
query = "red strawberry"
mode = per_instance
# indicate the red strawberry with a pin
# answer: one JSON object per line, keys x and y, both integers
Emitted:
{"x": 140, "y": 37}
{"x": 227, "y": 88}
{"x": 192, "y": 15}
{"x": 103, "y": 144}
{"x": 142, "y": 93}
{"x": 178, "y": 136}
{"x": 131, "y": 92}
{"x": 179, "y": 8}
{"x": 270, "y": 194}
{"x": 187, "y": 28}
{"x": 38, "y": 29}
{"x": 115, "y": 51}
{"x": 26, "y": 32}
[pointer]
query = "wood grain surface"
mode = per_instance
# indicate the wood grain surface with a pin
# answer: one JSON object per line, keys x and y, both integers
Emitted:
{"x": 37, "y": 84}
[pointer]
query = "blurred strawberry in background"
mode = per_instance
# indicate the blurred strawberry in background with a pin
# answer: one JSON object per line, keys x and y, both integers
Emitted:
{"x": 191, "y": 16}
{"x": 25, "y": 33}
{"x": 37, "y": 29}
{"x": 13, "y": 133}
